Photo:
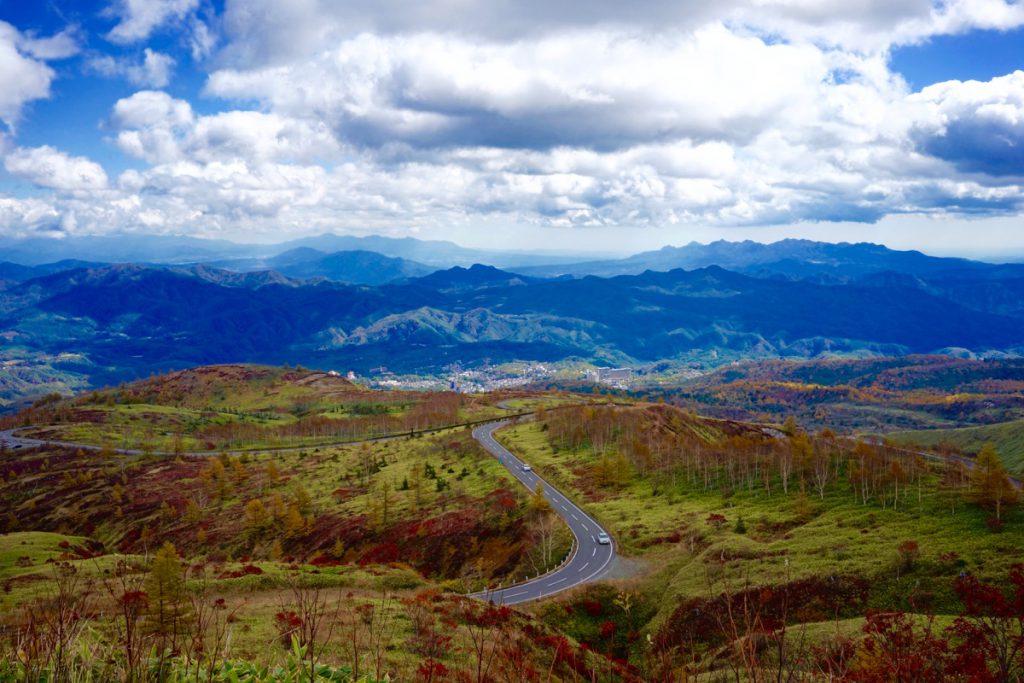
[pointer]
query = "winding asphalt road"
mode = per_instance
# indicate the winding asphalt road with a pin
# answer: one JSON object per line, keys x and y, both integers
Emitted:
{"x": 589, "y": 560}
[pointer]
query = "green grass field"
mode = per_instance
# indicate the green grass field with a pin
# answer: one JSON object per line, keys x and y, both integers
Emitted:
{"x": 368, "y": 524}
{"x": 787, "y": 537}
{"x": 1008, "y": 438}
{"x": 162, "y": 428}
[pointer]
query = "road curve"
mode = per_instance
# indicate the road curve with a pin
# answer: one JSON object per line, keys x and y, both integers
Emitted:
{"x": 589, "y": 560}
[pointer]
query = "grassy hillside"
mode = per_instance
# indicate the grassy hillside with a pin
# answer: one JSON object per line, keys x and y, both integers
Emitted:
{"x": 730, "y": 534}
{"x": 25, "y": 376}
{"x": 235, "y": 407}
{"x": 855, "y": 396}
{"x": 1008, "y": 438}
{"x": 378, "y": 622}
{"x": 438, "y": 503}
{"x": 382, "y": 537}
{"x": 702, "y": 509}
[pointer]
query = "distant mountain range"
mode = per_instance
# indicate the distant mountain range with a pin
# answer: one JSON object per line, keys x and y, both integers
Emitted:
{"x": 359, "y": 309}
{"x": 974, "y": 284}
{"x": 791, "y": 259}
{"x": 355, "y": 267}
{"x": 129, "y": 320}
{"x": 164, "y": 249}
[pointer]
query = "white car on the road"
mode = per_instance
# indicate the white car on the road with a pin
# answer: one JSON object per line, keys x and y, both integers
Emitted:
{"x": 604, "y": 539}
{"x": 527, "y": 468}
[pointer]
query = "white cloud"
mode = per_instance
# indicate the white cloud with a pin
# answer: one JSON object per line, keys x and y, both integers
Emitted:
{"x": 138, "y": 19}
{"x": 51, "y": 168}
{"x": 150, "y": 125}
{"x": 154, "y": 70}
{"x": 269, "y": 31}
{"x": 202, "y": 39}
{"x": 158, "y": 128}
{"x": 595, "y": 89}
{"x": 22, "y": 78}
{"x": 151, "y": 108}
{"x": 24, "y": 74}
{"x": 255, "y": 135}
{"x": 978, "y": 126}
{"x": 58, "y": 46}
{"x": 23, "y": 217}
{"x": 398, "y": 116}
{"x": 875, "y": 25}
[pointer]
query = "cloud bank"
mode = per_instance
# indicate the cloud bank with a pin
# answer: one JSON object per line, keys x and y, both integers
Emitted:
{"x": 395, "y": 115}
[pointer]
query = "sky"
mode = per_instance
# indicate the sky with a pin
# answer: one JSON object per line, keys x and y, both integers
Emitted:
{"x": 587, "y": 126}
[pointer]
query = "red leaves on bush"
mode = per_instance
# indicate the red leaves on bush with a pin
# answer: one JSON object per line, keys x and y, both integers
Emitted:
{"x": 287, "y": 623}
{"x": 607, "y": 629}
{"x": 323, "y": 560}
{"x": 382, "y": 553}
{"x": 244, "y": 570}
{"x": 985, "y": 644}
{"x": 704, "y": 621}
{"x": 431, "y": 670}
{"x": 908, "y": 551}
{"x": 716, "y": 520}
{"x": 592, "y": 607}
{"x": 503, "y": 499}
{"x": 991, "y": 626}
{"x": 894, "y": 651}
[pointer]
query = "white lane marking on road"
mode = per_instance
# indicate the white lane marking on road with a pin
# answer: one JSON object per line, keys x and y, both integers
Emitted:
{"x": 555, "y": 496}
{"x": 586, "y": 528}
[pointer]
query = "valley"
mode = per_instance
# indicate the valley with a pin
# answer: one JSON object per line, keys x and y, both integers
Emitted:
{"x": 80, "y": 323}
{"x": 427, "y": 473}
{"x": 276, "y": 524}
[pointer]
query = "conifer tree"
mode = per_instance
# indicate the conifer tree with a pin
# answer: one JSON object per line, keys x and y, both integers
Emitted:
{"x": 990, "y": 486}
{"x": 169, "y": 613}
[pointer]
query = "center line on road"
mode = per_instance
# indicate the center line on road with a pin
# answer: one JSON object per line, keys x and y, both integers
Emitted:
{"x": 543, "y": 587}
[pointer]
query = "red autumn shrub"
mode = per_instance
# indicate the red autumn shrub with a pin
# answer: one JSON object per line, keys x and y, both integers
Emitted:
{"x": 287, "y": 624}
{"x": 606, "y": 629}
{"x": 716, "y": 520}
{"x": 593, "y": 608}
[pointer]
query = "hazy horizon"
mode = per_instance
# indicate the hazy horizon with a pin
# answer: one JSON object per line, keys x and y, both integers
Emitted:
{"x": 1002, "y": 256}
